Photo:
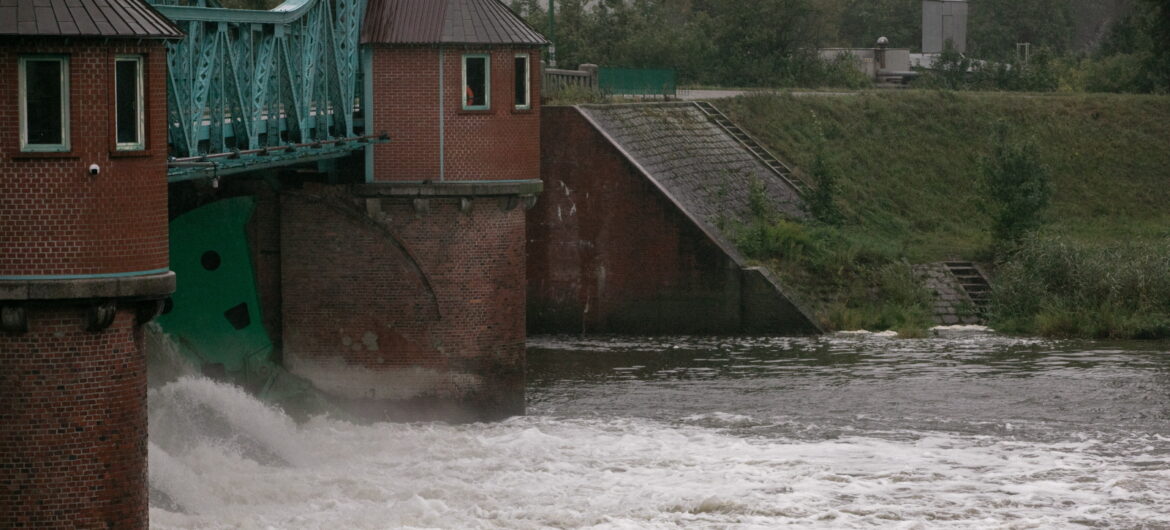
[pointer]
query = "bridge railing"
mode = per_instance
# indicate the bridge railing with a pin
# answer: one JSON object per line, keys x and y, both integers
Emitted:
{"x": 249, "y": 81}
{"x": 611, "y": 81}
{"x": 556, "y": 80}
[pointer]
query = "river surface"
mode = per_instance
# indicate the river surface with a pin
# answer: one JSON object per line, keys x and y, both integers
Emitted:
{"x": 963, "y": 430}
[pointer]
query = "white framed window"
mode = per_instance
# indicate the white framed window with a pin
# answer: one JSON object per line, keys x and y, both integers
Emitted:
{"x": 522, "y": 84}
{"x": 477, "y": 82}
{"x": 44, "y": 103}
{"x": 129, "y": 103}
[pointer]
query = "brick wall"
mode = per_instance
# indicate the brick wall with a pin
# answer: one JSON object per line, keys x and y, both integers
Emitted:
{"x": 386, "y": 306}
{"x": 608, "y": 253}
{"x": 502, "y": 143}
{"x": 56, "y": 219}
{"x": 73, "y": 424}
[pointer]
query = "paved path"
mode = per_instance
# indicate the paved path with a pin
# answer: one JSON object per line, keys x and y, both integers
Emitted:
{"x": 701, "y": 94}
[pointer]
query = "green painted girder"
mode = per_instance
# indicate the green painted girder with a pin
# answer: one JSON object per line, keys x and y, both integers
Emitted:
{"x": 224, "y": 166}
{"x": 246, "y": 79}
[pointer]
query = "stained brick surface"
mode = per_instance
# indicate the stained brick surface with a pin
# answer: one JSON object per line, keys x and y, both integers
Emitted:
{"x": 405, "y": 306}
{"x": 608, "y": 252}
{"x": 502, "y": 143}
{"x": 73, "y": 424}
{"x": 56, "y": 219}
{"x": 385, "y": 303}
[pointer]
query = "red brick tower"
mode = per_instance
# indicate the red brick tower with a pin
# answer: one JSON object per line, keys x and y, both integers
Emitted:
{"x": 83, "y": 257}
{"x": 422, "y": 302}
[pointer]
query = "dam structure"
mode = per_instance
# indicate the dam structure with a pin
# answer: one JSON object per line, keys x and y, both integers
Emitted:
{"x": 332, "y": 204}
{"x": 327, "y": 197}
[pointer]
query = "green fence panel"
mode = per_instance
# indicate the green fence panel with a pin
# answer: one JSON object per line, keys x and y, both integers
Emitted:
{"x": 637, "y": 81}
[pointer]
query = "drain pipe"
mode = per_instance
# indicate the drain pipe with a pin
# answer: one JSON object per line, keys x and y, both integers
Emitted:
{"x": 442, "y": 116}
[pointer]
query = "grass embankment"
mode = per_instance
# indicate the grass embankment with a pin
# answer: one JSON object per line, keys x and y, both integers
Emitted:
{"x": 904, "y": 169}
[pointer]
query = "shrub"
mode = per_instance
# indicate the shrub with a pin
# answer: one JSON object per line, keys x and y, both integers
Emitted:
{"x": 1054, "y": 286}
{"x": 780, "y": 239}
{"x": 1014, "y": 187}
{"x": 822, "y": 201}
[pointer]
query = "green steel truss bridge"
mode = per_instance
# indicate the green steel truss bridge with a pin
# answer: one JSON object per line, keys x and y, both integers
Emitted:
{"x": 251, "y": 90}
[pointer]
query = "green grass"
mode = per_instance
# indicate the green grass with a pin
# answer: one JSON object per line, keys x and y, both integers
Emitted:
{"x": 907, "y": 166}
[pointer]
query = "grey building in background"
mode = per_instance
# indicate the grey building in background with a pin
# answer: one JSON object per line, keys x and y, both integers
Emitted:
{"x": 942, "y": 21}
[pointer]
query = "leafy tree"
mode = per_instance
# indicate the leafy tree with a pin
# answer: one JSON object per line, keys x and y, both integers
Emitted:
{"x": 995, "y": 26}
{"x": 1015, "y": 187}
{"x": 822, "y": 201}
{"x": 1158, "y": 63}
{"x": 864, "y": 21}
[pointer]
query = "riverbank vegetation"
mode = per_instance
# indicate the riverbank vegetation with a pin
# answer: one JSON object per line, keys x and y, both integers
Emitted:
{"x": 909, "y": 178}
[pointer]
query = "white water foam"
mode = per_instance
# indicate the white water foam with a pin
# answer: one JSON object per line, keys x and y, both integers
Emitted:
{"x": 221, "y": 459}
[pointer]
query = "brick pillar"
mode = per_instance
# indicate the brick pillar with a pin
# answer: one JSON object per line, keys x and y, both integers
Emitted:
{"x": 408, "y": 308}
{"x": 73, "y": 431}
{"x": 73, "y": 422}
{"x": 83, "y": 263}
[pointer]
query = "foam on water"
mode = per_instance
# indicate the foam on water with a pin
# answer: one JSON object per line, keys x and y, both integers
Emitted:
{"x": 718, "y": 456}
{"x": 220, "y": 459}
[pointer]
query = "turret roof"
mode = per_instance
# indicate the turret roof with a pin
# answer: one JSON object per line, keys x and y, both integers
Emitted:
{"x": 85, "y": 18}
{"x": 473, "y": 22}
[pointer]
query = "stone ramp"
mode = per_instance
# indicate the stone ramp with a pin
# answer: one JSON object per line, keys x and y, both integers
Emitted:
{"x": 693, "y": 159}
{"x": 634, "y": 234}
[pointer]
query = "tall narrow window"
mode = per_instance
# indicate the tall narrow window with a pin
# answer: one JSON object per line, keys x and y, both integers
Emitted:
{"x": 44, "y": 103}
{"x": 477, "y": 82}
{"x": 128, "y": 102}
{"x": 522, "y": 90}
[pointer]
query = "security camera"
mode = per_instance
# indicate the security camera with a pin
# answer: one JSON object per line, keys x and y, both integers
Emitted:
{"x": 94, "y": 170}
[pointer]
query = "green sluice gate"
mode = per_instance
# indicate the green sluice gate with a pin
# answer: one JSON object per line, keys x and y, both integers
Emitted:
{"x": 215, "y": 315}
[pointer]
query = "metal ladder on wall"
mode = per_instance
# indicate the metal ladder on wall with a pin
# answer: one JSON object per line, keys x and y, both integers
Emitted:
{"x": 774, "y": 164}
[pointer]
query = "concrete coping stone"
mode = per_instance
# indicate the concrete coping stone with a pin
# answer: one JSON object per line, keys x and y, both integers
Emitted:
{"x": 452, "y": 188}
{"x": 151, "y": 286}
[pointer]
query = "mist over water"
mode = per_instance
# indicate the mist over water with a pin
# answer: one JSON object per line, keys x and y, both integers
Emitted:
{"x": 966, "y": 430}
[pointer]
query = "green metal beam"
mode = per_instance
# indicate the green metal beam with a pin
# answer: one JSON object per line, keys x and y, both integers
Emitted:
{"x": 244, "y": 80}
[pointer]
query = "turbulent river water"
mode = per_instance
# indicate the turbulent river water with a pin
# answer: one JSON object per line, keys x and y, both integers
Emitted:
{"x": 963, "y": 430}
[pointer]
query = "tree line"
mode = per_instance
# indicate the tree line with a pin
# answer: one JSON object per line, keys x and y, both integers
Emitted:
{"x": 1100, "y": 45}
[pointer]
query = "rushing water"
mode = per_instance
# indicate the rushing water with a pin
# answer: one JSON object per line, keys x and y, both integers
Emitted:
{"x": 966, "y": 430}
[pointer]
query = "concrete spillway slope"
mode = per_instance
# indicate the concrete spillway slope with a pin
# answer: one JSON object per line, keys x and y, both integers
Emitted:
{"x": 631, "y": 235}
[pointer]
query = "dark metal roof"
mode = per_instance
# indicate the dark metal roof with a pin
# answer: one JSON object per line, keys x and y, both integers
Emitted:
{"x": 445, "y": 22}
{"x": 85, "y": 18}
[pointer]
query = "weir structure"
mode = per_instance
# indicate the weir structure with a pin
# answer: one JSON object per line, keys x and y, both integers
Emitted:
{"x": 387, "y": 275}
